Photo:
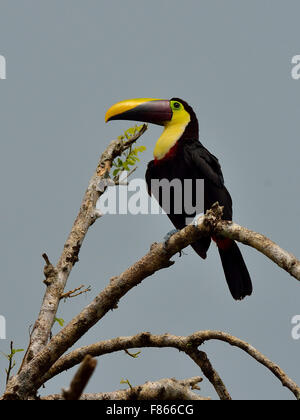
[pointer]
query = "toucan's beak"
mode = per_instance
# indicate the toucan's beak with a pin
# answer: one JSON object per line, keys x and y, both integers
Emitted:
{"x": 155, "y": 111}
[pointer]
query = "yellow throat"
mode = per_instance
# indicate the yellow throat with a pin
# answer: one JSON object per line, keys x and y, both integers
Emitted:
{"x": 172, "y": 133}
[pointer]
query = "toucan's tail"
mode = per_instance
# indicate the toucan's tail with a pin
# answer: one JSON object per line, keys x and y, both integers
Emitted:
{"x": 236, "y": 272}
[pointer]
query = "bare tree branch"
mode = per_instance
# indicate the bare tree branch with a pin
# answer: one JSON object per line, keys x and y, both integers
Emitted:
{"x": 164, "y": 389}
{"x": 139, "y": 341}
{"x": 80, "y": 379}
{"x": 201, "y": 359}
{"x": 261, "y": 243}
{"x": 75, "y": 292}
{"x": 188, "y": 345}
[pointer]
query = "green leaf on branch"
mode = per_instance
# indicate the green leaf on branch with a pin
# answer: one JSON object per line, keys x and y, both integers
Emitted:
{"x": 10, "y": 358}
{"x": 130, "y": 156}
{"x": 133, "y": 355}
{"x": 132, "y": 131}
{"x": 126, "y": 381}
{"x": 11, "y": 355}
{"x": 60, "y": 321}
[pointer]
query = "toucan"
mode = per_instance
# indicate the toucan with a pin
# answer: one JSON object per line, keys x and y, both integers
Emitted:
{"x": 178, "y": 154}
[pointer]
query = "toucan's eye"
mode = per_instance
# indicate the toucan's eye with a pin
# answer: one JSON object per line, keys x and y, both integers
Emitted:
{"x": 176, "y": 106}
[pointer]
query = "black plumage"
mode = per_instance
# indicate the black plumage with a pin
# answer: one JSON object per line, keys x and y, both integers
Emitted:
{"x": 189, "y": 159}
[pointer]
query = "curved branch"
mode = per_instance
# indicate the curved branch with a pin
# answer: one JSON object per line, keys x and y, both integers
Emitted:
{"x": 188, "y": 345}
{"x": 139, "y": 341}
{"x": 261, "y": 243}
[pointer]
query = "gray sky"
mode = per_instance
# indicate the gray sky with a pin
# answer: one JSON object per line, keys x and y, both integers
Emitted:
{"x": 67, "y": 62}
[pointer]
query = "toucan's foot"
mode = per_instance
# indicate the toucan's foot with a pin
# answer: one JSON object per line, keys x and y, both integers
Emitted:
{"x": 169, "y": 235}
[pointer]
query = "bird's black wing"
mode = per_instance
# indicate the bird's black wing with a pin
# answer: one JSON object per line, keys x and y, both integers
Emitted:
{"x": 206, "y": 163}
{"x": 207, "y": 167}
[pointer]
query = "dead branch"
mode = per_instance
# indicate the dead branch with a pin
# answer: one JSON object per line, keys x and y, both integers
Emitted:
{"x": 75, "y": 292}
{"x": 80, "y": 379}
{"x": 164, "y": 389}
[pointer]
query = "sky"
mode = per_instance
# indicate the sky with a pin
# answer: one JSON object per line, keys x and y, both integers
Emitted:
{"x": 66, "y": 63}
